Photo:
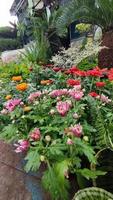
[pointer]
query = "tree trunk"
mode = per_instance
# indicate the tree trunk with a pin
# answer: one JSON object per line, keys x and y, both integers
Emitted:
{"x": 105, "y": 58}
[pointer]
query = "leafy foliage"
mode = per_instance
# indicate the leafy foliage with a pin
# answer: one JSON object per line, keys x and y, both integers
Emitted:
{"x": 93, "y": 193}
{"x": 33, "y": 160}
{"x": 9, "y": 133}
{"x": 56, "y": 175}
{"x": 93, "y": 12}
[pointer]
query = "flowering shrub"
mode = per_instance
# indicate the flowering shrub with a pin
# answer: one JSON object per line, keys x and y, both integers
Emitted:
{"x": 60, "y": 122}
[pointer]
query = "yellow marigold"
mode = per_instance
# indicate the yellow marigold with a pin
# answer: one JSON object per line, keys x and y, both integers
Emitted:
{"x": 8, "y": 97}
{"x": 22, "y": 86}
{"x": 16, "y": 78}
{"x": 27, "y": 108}
{"x": 46, "y": 82}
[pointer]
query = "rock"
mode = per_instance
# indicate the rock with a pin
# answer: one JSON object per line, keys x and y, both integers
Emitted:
{"x": 98, "y": 34}
{"x": 10, "y": 56}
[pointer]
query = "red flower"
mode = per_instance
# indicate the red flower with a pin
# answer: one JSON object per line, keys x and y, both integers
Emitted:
{"x": 93, "y": 94}
{"x": 72, "y": 70}
{"x": 57, "y": 69}
{"x": 73, "y": 82}
{"x": 110, "y": 74}
{"x": 96, "y": 72}
{"x": 49, "y": 65}
{"x": 100, "y": 84}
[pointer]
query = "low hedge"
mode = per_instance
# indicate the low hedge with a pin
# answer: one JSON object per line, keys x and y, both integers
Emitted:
{"x": 9, "y": 44}
{"x": 8, "y": 32}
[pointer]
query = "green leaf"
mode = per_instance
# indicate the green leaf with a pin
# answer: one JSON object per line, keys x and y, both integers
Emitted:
{"x": 85, "y": 149}
{"x": 9, "y": 133}
{"x": 55, "y": 182}
{"x": 33, "y": 161}
{"x": 90, "y": 174}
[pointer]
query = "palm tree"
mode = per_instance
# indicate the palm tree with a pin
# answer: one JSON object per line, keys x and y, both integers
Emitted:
{"x": 96, "y": 12}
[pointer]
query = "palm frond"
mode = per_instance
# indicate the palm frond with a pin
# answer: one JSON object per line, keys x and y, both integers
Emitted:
{"x": 97, "y": 12}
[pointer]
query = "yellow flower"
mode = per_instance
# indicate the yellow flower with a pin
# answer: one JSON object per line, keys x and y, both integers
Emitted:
{"x": 8, "y": 97}
{"x": 46, "y": 82}
{"x": 22, "y": 86}
{"x": 16, "y": 78}
{"x": 27, "y": 108}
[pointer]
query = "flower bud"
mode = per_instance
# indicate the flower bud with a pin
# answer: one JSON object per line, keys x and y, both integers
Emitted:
{"x": 85, "y": 138}
{"x": 69, "y": 141}
{"x": 52, "y": 111}
{"x": 47, "y": 138}
{"x": 42, "y": 158}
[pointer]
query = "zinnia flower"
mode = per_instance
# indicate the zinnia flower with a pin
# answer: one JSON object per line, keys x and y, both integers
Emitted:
{"x": 35, "y": 134}
{"x": 8, "y": 97}
{"x": 100, "y": 84}
{"x": 46, "y": 82}
{"x": 11, "y": 104}
{"x": 72, "y": 82}
{"x": 63, "y": 107}
{"x": 27, "y": 108}
{"x": 22, "y": 86}
{"x": 57, "y": 69}
{"x": 22, "y": 145}
{"x": 93, "y": 94}
{"x": 77, "y": 95}
{"x": 96, "y": 72}
{"x": 58, "y": 93}
{"x": 16, "y": 78}
{"x": 34, "y": 95}
{"x": 77, "y": 130}
{"x": 104, "y": 99}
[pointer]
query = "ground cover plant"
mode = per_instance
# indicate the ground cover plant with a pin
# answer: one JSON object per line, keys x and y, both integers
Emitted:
{"x": 61, "y": 118}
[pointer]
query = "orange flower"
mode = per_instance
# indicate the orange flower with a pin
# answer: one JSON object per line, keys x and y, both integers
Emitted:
{"x": 27, "y": 108}
{"x": 16, "y": 78}
{"x": 46, "y": 82}
{"x": 22, "y": 86}
{"x": 8, "y": 97}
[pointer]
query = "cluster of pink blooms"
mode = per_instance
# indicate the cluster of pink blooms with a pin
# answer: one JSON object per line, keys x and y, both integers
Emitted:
{"x": 34, "y": 95}
{"x": 22, "y": 146}
{"x": 35, "y": 134}
{"x": 77, "y": 130}
{"x": 58, "y": 93}
{"x": 63, "y": 107}
{"x": 11, "y": 104}
{"x": 104, "y": 98}
{"x": 76, "y": 93}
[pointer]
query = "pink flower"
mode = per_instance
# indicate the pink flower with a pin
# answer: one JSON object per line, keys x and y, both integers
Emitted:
{"x": 57, "y": 93}
{"x": 77, "y": 95}
{"x": 104, "y": 99}
{"x": 63, "y": 107}
{"x": 34, "y": 95}
{"x": 4, "y": 112}
{"x": 76, "y": 130}
{"x": 69, "y": 141}
{"x": 35, "y": 134}
{"x": 22, "y": 145}
{"x": 11, "y": 104}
